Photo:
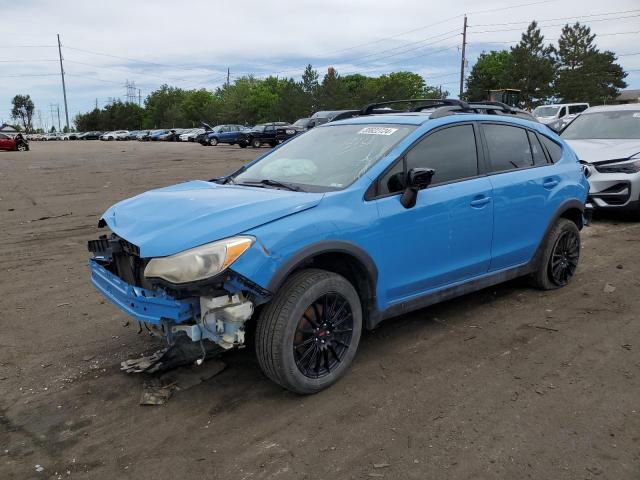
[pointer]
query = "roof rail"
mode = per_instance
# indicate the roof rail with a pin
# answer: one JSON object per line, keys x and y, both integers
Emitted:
{"x": 427, "y": 102}
{"x": 501, "y": 106}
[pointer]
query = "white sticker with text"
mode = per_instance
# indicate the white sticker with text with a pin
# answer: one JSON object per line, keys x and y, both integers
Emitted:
{"x": 636, "y": 115}
{"x": 377, "y": 131}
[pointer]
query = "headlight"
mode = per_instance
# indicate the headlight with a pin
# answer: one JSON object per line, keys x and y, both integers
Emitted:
{"x": 629, "y": 166}
{"x": 198, "y": 263}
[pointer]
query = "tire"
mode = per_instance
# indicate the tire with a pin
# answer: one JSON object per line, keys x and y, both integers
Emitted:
{"x": 273, "y": 144}
{"x": 110, "y": 138}
{"x": 559, "y": 258}
{"x": 324, "y": 353}
{"x": 242, "y": 144}
{"x": 256, "y": 143}
{"x": 213, "y": 141}
{"x": 21, "y": 147}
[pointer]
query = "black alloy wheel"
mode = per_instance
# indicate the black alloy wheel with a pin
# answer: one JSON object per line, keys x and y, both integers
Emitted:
{"x": 564, "y": 258}
{"x": 323, "y": 335}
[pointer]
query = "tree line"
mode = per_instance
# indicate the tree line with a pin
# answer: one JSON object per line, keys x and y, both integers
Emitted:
{"x": 250, "y": 100}
{"x": 573, "y": 71}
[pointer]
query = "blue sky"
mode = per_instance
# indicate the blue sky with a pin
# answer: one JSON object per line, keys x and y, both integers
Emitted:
{"x": 192, "y": 43}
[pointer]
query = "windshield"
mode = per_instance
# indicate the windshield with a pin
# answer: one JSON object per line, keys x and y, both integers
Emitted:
{"x": 328, "y": 158}
{"x": 301, "y": 123}
{"x": 546, "y": 111}
{"x": 604, "y": 125}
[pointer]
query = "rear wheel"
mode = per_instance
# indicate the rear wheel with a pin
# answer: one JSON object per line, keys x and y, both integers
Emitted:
{"x": 307, "y": 337}
{"x": 560, "y": 256}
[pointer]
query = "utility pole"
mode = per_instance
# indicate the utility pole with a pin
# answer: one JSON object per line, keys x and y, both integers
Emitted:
{"x": 139, "y": 98}
{"x": 59, "y": 126}
{"x": 64, "y": 88}
{"x": 96, "y": 104}
{"x": 462, "y": 62}
{"x": 228, "y": 74}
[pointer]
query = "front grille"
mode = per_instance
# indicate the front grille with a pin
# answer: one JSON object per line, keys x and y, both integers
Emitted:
{"x": 121, "y": 258}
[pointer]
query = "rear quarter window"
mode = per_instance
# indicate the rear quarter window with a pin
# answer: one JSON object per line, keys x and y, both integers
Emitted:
{"x": 553, "y": 149}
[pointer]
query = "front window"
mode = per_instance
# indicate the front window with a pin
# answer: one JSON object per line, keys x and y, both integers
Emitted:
{"x": 614, "y": 124}
{"x": 259, "y": 128}
{"x": 328, "y": 158}
{"x": 546, "y": 111}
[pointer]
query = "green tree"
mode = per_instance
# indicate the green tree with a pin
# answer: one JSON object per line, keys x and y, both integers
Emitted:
{"x": 531, "y": 68}
{"x": 22, "y": 109}
{"x": 488, "y": 73}
{"x": 162, "y": 107}
{"x": 585, "y": 73}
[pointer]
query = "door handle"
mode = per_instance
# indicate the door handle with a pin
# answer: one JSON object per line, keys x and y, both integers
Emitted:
{"x": 549, "y": 183}
{"x": 480, "y": 201}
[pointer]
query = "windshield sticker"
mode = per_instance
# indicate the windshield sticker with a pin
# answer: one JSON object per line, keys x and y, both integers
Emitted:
{"x": 377, "y": 131}
{"x": 636, "y": 115}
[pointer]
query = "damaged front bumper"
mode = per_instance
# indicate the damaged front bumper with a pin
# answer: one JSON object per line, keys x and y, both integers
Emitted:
{"x": 148, "y": 306}
{"x": 220, "y": 319}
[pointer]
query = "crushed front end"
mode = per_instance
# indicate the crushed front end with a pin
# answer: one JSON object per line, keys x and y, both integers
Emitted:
{"x": 214, "y": 309}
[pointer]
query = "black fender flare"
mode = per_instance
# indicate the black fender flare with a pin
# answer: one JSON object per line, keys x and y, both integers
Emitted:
{"x": 560, "y": 211}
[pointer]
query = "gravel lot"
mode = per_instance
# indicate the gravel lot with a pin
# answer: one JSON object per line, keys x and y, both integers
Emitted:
{"x": 506, "y": 383}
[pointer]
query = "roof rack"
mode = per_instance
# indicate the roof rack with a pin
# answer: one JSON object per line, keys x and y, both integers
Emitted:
{"x": 426, "y": 102}
{"x": 499, "y": 105}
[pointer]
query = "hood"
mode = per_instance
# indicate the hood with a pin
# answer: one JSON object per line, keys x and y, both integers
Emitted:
{"x": 169, "y": 220}
{"x": 600, "y": 150}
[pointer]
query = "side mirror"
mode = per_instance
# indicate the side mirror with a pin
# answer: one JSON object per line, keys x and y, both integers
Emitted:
{"x": 417, "y": 179}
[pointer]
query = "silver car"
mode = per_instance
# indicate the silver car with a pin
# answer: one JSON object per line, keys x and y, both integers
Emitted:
{"x": 607, "y": 142}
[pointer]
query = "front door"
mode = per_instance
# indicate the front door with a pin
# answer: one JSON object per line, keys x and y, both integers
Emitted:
{"x": 446, "y": 237}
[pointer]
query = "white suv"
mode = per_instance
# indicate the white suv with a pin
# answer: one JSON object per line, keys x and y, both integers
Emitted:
{"x": 607, "y": 142}
{"x": 558, "y": 115}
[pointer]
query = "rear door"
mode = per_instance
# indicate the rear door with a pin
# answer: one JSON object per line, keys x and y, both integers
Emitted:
{"x": 446, "y": 237}
{"x": 523, "y": 186}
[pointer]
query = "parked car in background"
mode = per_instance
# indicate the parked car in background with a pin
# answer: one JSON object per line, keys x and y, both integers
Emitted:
{"x": 342, "y": 227}
{"x": 132, "y": 135}
{"x": 558, "y": 114}
{"x": 607, "y": 142}
{"x": 63, "y": 136}
{"x": 267, "y": 133}
{"x": 155, "y": 135}
{"x": 172, "y": 135}
{"x": 322, "y": 117}
{"x": 95, "y": 135}
{"x": 48, "y": 137}
{"x": 115, "y": 135}
{"x": 13, "y": 142}
{"x": 74, "y": 135}
{"x": 303, "y": 124}
{"x": 230, "y": 134}
{"x": 190, "y": 135}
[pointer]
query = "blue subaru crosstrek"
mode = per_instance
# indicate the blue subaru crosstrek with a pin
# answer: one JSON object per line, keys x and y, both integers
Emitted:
{"x": 342, "y": 227}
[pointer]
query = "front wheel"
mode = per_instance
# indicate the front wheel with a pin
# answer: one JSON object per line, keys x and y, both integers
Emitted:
{"x": 213, "y": 141}
{"x": 559, "y": 258}
{"x": 256, "y": 143}
{"x": 21, "y": 147}
{"x": 307, "y": 336}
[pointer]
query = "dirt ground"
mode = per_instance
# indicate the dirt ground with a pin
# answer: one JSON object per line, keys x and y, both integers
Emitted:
{"x": 507, "y": 383}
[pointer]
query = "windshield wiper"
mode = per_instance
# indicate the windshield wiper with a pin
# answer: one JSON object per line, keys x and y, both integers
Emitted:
{"x": 267, "y": 182}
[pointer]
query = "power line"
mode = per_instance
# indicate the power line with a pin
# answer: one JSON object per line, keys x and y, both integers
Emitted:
{"x": 554, "y": 19}
{"x": 555, "y": 24}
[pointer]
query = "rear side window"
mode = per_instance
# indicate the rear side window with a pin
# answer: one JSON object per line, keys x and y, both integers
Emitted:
{"x": 554, "y": 150}
{"x": 539, "y": 157}
{"x": 508, "y": 147}
{"x": 451, "y": 152}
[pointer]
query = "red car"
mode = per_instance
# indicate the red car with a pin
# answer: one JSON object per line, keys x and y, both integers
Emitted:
{"x": 17, "y": 142}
